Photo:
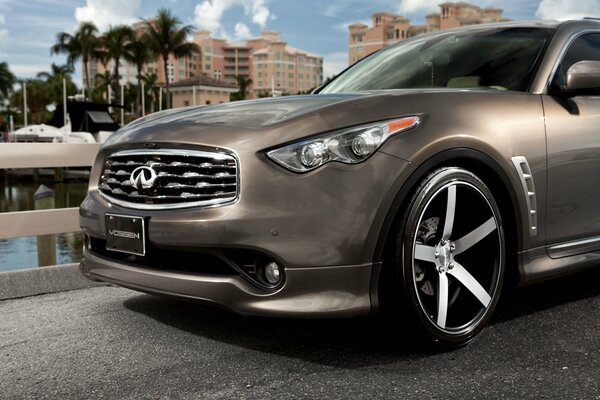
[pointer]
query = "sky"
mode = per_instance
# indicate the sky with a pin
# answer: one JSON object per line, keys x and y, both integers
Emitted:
{"x": 28, "y": 28}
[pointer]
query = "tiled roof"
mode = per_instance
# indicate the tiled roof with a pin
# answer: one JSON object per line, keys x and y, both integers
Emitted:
{"x": 203, "y": 80}
{"x": 288, "y": 49}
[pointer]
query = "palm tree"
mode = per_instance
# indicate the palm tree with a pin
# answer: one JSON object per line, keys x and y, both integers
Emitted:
{"x": 54, "y": 80}
{"x": 138, "y": 54}
{"x": 130, "y": 96}
{"x": 7, "y": 80}
{"x": 243, "y": 84}
{"x": 114, "y": 43}
{"x": 81, "y": 45}
{"x": 102, "y": 83}
{"x": 56, "y": 71}
{"x": 38, "y": 99}
{"x": 151, "y": 83}
{"x": 165, "y": 37}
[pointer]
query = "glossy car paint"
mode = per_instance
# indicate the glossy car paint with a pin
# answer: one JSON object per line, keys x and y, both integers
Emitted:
{"x": 331, "y": 224}
{"x": 271, "y": 198}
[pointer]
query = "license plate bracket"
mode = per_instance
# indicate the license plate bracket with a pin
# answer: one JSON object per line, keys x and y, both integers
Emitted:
{"x": 125, "y": 234}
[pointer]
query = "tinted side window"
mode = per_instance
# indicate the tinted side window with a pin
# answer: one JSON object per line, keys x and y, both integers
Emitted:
{"x": 585, "y": 47}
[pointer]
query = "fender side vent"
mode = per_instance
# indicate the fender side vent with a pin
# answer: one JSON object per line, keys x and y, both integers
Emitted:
{"x": 526, "y": 177}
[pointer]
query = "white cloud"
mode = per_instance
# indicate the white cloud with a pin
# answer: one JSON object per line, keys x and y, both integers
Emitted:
{"x": 242, "y": 31}
{"x": 568, "y": 9}
{"x": 415, "y": 6}
{"x": 260, "y": 13}
{"x": 208, "y": 14}
{"x": 334, "y": 63}
{"x": 104, "y": 13}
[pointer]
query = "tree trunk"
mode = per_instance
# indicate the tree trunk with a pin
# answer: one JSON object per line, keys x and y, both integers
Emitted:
{"x": 116, "y": 82}
{"x": 167, "y": 83}
{"x": 88, "y": 93}
{"x": 138, "y": 100}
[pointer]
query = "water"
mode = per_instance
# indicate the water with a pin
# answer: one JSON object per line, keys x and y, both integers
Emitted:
{"x": 16, "y": 194}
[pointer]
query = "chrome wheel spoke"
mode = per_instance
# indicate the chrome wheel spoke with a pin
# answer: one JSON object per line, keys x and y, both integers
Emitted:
{"x": 442, "y": 300}
{"x": 475, "y": 236}
{"x": 456, "y": 257}
{"x": 424, "y": 253}
{"x": 450, "y": 211}
{"x": 469, "y": 282}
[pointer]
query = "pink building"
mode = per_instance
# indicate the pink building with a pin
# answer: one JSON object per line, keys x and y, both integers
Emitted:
{"x": 267, "y": 60}
{"x": 389, "y": 28}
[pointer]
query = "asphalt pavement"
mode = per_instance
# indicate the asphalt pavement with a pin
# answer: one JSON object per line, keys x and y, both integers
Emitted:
{"x": 113, "y": 343}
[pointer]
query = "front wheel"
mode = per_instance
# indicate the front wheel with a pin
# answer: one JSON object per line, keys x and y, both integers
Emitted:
{"x": 450, "y": 255}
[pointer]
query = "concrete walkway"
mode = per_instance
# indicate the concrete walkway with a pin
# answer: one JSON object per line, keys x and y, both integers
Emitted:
{"x": 36, "y": 281}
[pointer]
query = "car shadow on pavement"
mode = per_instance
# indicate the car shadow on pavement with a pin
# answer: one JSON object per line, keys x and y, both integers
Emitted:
{"x": 519, "y": 302}
{"x": 348, "y": 343}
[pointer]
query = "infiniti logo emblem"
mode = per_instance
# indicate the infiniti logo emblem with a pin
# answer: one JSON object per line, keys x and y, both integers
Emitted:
{"x": 143, "y": 177}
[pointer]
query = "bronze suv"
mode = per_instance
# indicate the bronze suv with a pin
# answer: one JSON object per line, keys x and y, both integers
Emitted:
{"x": 426, "y": 173}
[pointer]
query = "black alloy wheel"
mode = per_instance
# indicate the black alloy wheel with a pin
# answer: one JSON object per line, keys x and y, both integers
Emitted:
{"x": 451, "y": 256}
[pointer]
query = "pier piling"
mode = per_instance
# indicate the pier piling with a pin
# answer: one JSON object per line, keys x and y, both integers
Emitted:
{"x": 43, "y": 199}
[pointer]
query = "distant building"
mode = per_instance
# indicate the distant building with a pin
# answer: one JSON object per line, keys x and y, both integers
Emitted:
{"x": 201, "y": 90}
{"x": 211, "y": 58}
{"x": 389, "y": 28}
{"x": 267, "y": 60}
{"x": 285, "y": 69}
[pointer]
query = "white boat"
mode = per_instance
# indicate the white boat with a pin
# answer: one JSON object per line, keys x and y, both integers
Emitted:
{"x": 49, "y": 134}
{"x": 93, "y": 122}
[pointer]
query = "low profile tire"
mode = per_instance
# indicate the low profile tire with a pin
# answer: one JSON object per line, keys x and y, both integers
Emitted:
{"x": 450, "y": 256}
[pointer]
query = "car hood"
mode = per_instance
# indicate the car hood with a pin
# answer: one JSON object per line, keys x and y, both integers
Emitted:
{"x": 244, "y": 114}
{"x": 282, "y": 118}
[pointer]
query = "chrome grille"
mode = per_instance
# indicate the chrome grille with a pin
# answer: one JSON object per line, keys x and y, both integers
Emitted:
{"x": 180, "y": 178}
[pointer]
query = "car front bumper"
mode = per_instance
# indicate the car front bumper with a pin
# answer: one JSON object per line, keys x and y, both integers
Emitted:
{"x": 308, "y": 292}
{"x": 322, "y": 228}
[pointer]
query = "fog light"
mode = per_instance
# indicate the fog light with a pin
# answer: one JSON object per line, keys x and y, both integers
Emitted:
{"x": 272, "y": 273}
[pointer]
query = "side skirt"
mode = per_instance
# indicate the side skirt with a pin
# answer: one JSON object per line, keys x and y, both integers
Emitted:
{"x": 536, "y": 265}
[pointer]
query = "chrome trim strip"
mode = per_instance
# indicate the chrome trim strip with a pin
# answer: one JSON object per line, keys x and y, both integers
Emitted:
{"x": 176, "y": 152}
{"x": 524, "y": 171}
{"x": 574, "y": 247}
{"x": 227, "y": 154}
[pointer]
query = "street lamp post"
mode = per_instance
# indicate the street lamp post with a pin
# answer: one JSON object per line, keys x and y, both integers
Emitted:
{"x": 25, "y": 103}
{"x": 143, "y": 99}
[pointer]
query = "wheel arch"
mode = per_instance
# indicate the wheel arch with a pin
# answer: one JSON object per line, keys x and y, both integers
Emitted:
{"x": 491, "y": 173}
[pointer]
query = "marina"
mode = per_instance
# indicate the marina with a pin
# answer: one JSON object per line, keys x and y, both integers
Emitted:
{"x": 17, "y": 188}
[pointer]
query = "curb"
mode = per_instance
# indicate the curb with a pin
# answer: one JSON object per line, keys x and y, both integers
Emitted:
{"x": 36, "y": 281}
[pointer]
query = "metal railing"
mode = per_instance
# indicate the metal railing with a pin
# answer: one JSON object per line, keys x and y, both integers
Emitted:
{"x": 43, "y": 155}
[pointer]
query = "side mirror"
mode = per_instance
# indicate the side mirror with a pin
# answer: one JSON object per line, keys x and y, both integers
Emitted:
{"x": 582, "y": 78}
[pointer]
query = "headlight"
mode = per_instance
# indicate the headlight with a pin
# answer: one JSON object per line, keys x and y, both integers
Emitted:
{"x": 349, "y": 146}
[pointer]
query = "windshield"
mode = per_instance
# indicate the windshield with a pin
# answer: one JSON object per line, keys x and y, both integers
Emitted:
{"x": 502, "y": 59}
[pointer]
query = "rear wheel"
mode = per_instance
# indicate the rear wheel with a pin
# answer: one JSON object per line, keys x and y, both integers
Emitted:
{"x": 450, "y": 255}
